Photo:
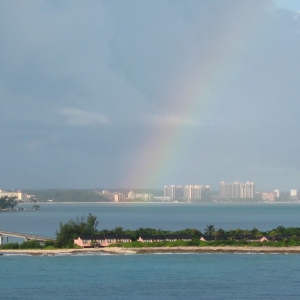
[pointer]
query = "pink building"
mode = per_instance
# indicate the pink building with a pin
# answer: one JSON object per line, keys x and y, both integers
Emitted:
{"x": 90, "y": 241}
{"x": 268, "y": 197}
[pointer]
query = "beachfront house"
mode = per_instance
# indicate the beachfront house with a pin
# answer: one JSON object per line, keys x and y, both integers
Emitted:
{"x": 159, "y": 238}
{"x": 88, "y": 241}
{"x": 164, "y": 238}
{"x": 145, "y": 238}
{"x": 171, "y": 237}
{"x": 124, "y": 238}
{"x": 265, "y": 239}
{"x": 185, "y": 237}
{"x": 84, "y": 241}
{"x": 211, "y": 238}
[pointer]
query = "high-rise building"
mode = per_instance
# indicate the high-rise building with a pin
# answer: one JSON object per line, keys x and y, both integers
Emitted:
{"x": 174, "y": 192}
{"x": 178, "y": 193}
{"x": 277, "y": 193}
{"x": 187, "y": 192}
{"x": 198, "y": 191}
{"x": 169, "y": 191}
{"x": 205, "y": 192}
{"x": 236, "y": 190}
{"x": 248, "y": 190}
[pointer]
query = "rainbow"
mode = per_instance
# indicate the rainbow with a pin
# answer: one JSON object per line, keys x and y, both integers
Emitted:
{"x": 201, "y": 83}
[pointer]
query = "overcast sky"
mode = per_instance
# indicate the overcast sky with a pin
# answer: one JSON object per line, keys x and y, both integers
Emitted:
{"x": 139, "y": 94}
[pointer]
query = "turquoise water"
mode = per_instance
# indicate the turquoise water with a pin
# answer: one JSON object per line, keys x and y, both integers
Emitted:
{"x": 155, "y": 276}
{"x": 160, "y": 276}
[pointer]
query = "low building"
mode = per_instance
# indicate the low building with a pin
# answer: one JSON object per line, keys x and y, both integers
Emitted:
{"x": 146, "y": 238}
{"x": 162, "y": 199}
{"x": 140, "y": 196}
{"x": 90, "y": 241}
{"x": 207, "y": 238}
{"x": 114, "y": 197}
{"x": 119, "y": 197}
{"x": 293, "y": 193}
{"x": 268, "y": 197}
{"x": 21, "y": 196}
{"x": 165, "y": 238}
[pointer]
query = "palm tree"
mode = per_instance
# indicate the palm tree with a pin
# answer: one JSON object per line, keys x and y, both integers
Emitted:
{"x": 209, "y": 230}
{"x": 220, "y": 231}
{"x": 273, "y": 233}
{"x": 119, "y": 230}
{"x": 280, "y": 229}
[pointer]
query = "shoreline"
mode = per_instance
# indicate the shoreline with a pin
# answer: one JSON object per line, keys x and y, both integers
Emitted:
{"x": 158, "y": 250}
{"x": 162, "y": 202}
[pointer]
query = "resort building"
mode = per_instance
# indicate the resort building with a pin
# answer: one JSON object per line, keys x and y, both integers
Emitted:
{"x": 21, "y": 196}
{"x": 187, "y": 192}
{"x": 236, "y": 190}
{"x": 293, "y": 193}
{"x": 140, "y": 196}
{"x": 173, "y": 191}
{"x": 114, "y": 197}
{"x": 268, "y": 197}
{"x": 88, "y": 241}
{"x": 164, "y": 238}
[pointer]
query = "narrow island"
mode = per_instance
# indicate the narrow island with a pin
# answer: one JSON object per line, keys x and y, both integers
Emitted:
{"x": 81, "y": 235}
{"x": 9, "y": 203}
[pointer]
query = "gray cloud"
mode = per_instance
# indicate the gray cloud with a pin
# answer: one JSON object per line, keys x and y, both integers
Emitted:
{"x": 86, "y": 87}
{"x": 77, "y": 117}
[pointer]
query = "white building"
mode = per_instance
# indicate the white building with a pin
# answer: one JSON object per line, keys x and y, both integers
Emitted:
{"x": 236, "y": 190}
{"x": 140, "y": 196}
{"x": 21, "y": 196}
{"x": 131, "y": 195}
{"x": 173, "y": 191}
{"x": 118, "y": 197}
{"x": 114, "y": 197}
{"x": 277, "y": 193}
{"x": 187, "y": 192}
{"x": 293, "y": 193}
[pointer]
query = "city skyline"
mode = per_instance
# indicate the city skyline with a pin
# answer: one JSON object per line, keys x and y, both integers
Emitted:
{"x": 137, "y": 94}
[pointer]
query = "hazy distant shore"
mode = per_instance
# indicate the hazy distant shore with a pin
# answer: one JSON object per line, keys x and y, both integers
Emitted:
{"x": 152, "y": 250}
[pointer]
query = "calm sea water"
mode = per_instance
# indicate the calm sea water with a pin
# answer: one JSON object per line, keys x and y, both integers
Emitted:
{"x": 165, "y": 216}
{"x": 175, "y": 276}
{"x": 159, "y": 276}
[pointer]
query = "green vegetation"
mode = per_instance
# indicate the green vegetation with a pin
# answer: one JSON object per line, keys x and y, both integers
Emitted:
{"x": 81, "y": 226}
{"x": 199, "y": 243}
{"x": 8, "y": 202}
{"x": 78, "y": 195}
{"x": 67, "y": 195}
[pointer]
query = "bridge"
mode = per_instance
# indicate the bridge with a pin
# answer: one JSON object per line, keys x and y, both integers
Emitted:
{"x": 26, "y": 237}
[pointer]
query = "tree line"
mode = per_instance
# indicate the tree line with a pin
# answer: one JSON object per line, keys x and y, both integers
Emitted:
{"x": 88, "y": 226}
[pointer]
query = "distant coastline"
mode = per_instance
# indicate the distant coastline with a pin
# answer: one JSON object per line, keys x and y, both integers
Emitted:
{"x": 180, "y": 203}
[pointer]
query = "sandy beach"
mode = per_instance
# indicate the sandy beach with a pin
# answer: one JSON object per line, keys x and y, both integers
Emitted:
{"x": 151, "y": 250}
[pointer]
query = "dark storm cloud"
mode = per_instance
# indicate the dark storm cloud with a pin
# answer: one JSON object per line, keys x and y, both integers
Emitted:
{"x": 83, "y": 84}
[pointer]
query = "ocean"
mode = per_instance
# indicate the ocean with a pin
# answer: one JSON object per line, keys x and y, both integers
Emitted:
{"x": 169, "y": 216}
{"x": 152, "y": 276}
